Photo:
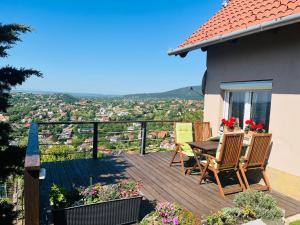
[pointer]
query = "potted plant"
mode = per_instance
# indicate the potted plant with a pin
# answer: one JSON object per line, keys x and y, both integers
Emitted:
{"x": 97, "y": 204}
{"x": 252, "y": 127}
{"x": 230, "y": 125}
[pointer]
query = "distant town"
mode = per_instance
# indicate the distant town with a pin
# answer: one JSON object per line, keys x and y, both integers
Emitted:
{"x": 73, "y": 138}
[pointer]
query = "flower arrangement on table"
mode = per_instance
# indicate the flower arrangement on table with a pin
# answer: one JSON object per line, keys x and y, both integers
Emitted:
{"x": 230, "y": 125}
{"x": 167, "y": 213}
{"x": 252, "y": 127}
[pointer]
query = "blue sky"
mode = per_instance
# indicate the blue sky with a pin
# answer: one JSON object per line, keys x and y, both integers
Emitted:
{"x": 107, "y": 46}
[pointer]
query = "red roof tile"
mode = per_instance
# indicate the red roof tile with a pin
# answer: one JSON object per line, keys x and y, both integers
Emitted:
{"x": 240, "y": 14}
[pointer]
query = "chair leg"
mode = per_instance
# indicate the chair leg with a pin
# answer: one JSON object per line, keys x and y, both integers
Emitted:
{"x": 172, "y": 161}
{"x": 203, "y": 174}
{"x": 240, "y": 179}
{"x": 266, "y": 180}
{"x": 244, "y": 177}
{"x": 182, "y": 164}
{"x": 219, "y": 183}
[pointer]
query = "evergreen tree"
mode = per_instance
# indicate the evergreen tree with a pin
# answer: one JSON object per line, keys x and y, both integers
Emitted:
{"x": 11, "y": 157}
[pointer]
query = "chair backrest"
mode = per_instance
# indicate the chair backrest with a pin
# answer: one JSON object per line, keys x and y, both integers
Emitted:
{"x": 183, "y": 132}
{"x": 202, "y": 131}
{"x": 258, "y": 150}
{"x": 230, "y": 150}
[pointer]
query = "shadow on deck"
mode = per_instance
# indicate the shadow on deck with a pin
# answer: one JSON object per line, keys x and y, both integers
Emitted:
{"x": 161, "y": 182}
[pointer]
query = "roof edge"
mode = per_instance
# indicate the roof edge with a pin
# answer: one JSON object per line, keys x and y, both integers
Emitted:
{"x": 279, "y": 22}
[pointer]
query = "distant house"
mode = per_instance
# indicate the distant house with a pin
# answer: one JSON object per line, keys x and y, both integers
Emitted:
{"x": 4, "y": 118}
{"x": 253, "y": 71}
{"x": 162, "y": 134}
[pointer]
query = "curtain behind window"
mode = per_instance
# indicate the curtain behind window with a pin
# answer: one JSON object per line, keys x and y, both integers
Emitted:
{"x": 260, "y": 107}
{"x": 237, "y": 106}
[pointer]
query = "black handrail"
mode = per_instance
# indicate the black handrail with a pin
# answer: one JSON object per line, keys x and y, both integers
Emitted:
{"x": 95, "y": 130}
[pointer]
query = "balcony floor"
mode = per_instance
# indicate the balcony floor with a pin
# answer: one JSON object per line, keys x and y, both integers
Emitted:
{"x": 161, "y": 182}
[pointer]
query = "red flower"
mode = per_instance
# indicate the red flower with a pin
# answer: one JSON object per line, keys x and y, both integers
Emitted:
{"x": 233, "y": 120}
{"x": 248, "y": 122}
{"x": 253, "y": 126}
{"x": 224, "y": 121}
{"x": 230, "y": 124}
{"x": 259, "y": 126}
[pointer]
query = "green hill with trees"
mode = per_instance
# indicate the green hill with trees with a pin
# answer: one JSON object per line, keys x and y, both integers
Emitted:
{"x": 192, "y": 92}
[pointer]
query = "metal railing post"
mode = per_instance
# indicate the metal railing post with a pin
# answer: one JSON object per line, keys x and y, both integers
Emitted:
{"x": 95, "y": 141}
{"x": 143, "y": 138}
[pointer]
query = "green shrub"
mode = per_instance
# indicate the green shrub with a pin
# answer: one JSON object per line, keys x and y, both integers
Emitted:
{"x": 187, "y": 217}
{"x": 7, "y": 215}
{"x": 262, "y": 205}
{"x": 249, "y": 205}
{"x": 170, "y": 214}
{"x": 61, "y": 197}
{"x": 227, "y": 216}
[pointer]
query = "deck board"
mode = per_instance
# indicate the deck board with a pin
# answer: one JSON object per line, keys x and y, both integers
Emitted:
{"x": 161, "y": 182}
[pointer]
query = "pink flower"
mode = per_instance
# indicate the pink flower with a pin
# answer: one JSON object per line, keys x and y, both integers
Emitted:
{"x": 175, "y": 221}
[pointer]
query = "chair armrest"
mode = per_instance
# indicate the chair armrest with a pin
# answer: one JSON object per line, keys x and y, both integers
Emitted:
{"x": 211, "y": 158}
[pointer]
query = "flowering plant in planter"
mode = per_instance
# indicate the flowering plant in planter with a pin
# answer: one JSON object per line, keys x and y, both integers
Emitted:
{"x": 116, "y": 204}
{"x": 101, "y": 193}
{"x": 230, "y": 124}
{"x": 255, "y": 127}
{"x": 59, "y": 196}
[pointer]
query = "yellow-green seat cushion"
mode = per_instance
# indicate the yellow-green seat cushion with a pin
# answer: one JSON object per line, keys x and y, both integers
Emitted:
{"x": 184, "y": 132}
{"x": 187, "y": 150}
{"x": 219, "y": 147}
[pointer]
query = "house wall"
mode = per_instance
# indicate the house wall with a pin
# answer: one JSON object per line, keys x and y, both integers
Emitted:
{"x": 270, "y": 55}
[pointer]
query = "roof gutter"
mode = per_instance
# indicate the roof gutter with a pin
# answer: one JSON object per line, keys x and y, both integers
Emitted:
{"x": 283, "y": 21}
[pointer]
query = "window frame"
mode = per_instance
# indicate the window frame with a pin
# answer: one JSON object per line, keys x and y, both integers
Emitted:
{"x": 247, "y": 87}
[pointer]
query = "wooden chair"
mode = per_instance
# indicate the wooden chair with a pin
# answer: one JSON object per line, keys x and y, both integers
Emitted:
{"x": 202, "y": 131}
{"x": 256, "y": 157}
{"x": 226, "y": 159}
{"x": 183, "y": 133}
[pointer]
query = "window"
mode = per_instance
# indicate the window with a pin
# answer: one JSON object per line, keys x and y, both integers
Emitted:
{"x": 260, "y": 107}
{"x": 247, "y": 103}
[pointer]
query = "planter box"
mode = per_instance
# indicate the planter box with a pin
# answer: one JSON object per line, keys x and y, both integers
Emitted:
{"x": 117, "y": 212}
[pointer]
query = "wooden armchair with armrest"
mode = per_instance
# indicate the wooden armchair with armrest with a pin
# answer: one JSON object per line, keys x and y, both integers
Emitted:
{"x": 226, "y": 159}
{"x": 256, "y": 157}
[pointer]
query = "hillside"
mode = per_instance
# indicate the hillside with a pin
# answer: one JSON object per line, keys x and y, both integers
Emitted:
{"x": 182, "y": 93}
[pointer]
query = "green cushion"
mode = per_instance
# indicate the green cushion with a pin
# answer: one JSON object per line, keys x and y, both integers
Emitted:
{"x": 219, "y": 147}
{"x": 184, "y": 132}
{"x": 187, "y": 150}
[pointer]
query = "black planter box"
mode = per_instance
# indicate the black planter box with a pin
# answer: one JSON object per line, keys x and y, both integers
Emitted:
{"x": 117, "y": 212}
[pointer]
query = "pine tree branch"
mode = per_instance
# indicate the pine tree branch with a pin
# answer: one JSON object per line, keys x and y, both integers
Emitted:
{"x": 9, "y": 35}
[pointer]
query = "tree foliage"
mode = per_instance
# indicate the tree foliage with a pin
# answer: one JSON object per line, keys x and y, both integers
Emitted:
{"x": 11, "y": 157}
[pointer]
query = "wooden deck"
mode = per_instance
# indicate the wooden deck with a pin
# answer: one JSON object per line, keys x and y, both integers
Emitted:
{"x": 161, "y": 182}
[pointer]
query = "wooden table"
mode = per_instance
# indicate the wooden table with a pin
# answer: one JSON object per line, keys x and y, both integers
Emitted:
{"x": 204, "y": 147}
{"x": 200, "y": 147}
